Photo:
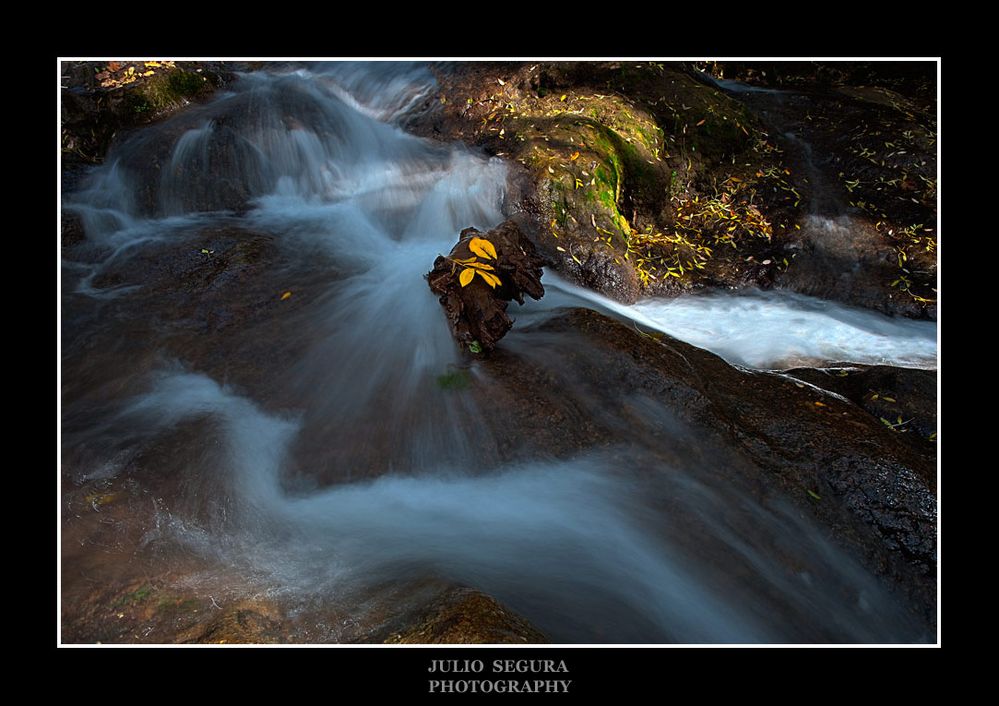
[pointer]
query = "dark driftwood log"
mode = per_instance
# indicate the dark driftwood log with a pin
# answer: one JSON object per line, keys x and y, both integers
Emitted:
{"x": 477, "y": 312}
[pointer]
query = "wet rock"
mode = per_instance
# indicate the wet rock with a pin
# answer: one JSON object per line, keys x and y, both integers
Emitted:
{"x": 72, "y": 229}
{"x": 246, "y": 623}
{"x": 476, "y": 310}
{"x": 865, "y": 137}
{"x": 903, "y": 399}
{"x": 830, "y": 458}
{"x": 466, "y": 616}
{"x": 213, "y": 297}
{"x": 100, "y": 100}
{"x": 914, "y": 80}
{"x": 646, "y": 178}
{"x": 636, "y": 173}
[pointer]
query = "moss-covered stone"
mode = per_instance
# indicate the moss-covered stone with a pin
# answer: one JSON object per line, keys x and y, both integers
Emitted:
{"x": 95, "y": 111}
{"x": 615, "y": 153}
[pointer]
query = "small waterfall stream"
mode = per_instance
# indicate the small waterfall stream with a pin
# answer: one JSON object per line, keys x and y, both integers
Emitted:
{"x": 323, "y": 455}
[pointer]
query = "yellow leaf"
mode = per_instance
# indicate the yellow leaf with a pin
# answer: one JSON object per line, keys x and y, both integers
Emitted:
{"x": 820, "y": 404}
{"x": 466, "y": 276}
{"x": 286, "y": 295}
{"x": 482, "y": 248}
{"x": 491, "y": 280}
{"x": 574, "y": 156}
{"x": 480, "y": 265}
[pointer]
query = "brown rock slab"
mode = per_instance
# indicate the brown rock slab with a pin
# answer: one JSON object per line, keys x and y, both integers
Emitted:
{"x": 466, "y": 616}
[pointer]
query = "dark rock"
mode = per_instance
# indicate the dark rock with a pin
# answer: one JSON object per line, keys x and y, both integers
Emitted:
{"x": 72, "y": 229}
{"x": 904, "y": 399}
{"x": 619, "y": 155}
{"x": 864, "y": 139}
{"x": 476, "y": 312}
{"x": 912, "y": 79}
{"x": 95, "y": 110}
{"x": 247, "y": 623}
{"x": 791, "y": 440}
{"x": 466, "y": 616}
{"x": 645, "y": 178}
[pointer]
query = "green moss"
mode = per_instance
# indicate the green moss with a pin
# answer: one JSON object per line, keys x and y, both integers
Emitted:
{"x": 163, "y": 91}
{"x": 134, "y": 597}
{"x": 185, "y": 83}
{"x": 454, "y": 380}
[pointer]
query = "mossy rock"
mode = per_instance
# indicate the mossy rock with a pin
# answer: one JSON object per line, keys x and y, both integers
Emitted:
{"x": 94, "y": 114}
{"x": 167, "y": 91}
{"x": 612, "y": 152}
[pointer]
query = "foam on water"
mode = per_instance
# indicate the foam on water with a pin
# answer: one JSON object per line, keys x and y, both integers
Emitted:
{"x": 773, "y": 329}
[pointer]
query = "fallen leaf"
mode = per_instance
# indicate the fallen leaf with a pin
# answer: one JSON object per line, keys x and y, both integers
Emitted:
{"x": 482, "y": 248}
{"x": 821, "y": 404}
{"x": 703, "y": 120}
{"x": 286, "y": 295}
{"x": 491, "y": 280}
{"x": 574, "y": 156}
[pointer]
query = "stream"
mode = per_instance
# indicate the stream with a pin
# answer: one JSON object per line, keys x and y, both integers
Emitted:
{"x": 306, "y": 443}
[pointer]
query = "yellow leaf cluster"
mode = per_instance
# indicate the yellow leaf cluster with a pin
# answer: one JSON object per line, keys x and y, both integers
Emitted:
{"x": 484, "y": 249}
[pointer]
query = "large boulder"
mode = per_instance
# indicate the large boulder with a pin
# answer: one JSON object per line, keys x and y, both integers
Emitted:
{"x": 100, "y": 100}
{"x": 649, "y": 178}
{"x": 791, "y": 441}
{"x": 640, "y": 179}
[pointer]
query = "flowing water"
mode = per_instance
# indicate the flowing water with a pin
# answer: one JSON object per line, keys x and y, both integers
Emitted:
{"x": 772, "y": 329}
{"x": 312, "y": 447}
